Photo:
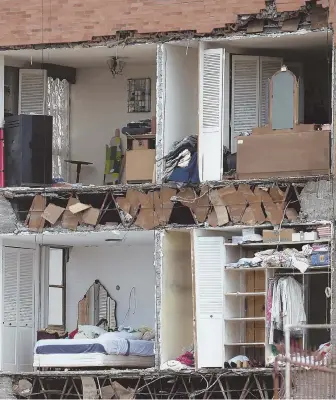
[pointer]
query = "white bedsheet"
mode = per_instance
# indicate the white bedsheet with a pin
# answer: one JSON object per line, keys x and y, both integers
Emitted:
{"x": 111, "y": 343}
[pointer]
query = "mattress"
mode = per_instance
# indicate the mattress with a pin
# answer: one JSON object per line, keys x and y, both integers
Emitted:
{"x": 106, "y": 345}
{"x": 86, "y": 360}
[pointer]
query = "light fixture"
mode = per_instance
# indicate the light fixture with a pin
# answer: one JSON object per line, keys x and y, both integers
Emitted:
{"x": 115, "y": 65}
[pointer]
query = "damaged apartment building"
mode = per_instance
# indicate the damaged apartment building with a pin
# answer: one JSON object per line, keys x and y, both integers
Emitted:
{"x": 166, "y": 194}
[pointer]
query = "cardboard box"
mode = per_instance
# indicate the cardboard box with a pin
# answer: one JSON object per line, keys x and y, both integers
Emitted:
{"x": 140, "y": 144}
{"x": 140, "y": 165}
{"x": 282, "y": 235}
{"x": 283, "y": 155}
{"x": 267, "y": 130}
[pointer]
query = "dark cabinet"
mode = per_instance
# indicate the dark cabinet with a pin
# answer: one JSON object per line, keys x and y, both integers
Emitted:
{"x": 28, "y": 150}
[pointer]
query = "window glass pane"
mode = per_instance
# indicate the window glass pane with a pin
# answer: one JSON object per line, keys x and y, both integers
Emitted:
{"x": 56, "y": 267}
{"x": 55, "y": 306}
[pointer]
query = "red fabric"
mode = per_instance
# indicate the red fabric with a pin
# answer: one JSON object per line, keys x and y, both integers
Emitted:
{"x": 73, "y": 333}
{"x": 2, "y": 158}
{"x": 187, "y": 359}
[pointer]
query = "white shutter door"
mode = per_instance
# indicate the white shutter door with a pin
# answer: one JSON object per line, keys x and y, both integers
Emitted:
{"x": 211, "y": 114}
{"x": 268, "y": 67}
{"x": 32, "y": 91}
{"x": 209, "y": 265}
{"x": 18, "y": 310}
{"x": 245, "y": 96}
{"x": 26, "y": 332}
{"x": 9, "y": 309}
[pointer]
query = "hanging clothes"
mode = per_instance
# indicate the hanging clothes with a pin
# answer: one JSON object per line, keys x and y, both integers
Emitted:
{"x": 287, "y": 305}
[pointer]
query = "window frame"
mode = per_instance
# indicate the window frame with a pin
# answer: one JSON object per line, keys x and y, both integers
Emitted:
{"x": 63, "y": 287}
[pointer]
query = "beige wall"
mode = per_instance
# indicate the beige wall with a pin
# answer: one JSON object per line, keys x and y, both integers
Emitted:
{"x": 98, "y": 107}
{"x": 176, "y": 306}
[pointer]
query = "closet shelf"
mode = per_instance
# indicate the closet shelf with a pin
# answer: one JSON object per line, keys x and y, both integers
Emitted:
{"x": 245, "y": 344}
{"x": 229, "y": 268}
{"x": 245, "y": 294}
{"x": 242, "y": 319}
{"x": 244, "y": 269}
{"x": 272, "y": 244}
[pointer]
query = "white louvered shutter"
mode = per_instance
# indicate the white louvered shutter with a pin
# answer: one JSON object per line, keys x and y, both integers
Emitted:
{"x": 245, "y": 96}
{"x": 209, "y": 265}
{"x": 32, "y": 91}
{"x": 268, "y": 67}
{"x": 9, "y": 309}
{"x": 26, "y": 331}
{"x": 18, "y": 310}
{"x": 211, "y": 114}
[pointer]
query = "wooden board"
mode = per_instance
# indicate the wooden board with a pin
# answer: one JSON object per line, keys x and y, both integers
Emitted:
{"x": 52, "y": 213}
{"x": 78, "y": 207}
{"x": 70, "y": 220}
{"x": 34, "y": 220}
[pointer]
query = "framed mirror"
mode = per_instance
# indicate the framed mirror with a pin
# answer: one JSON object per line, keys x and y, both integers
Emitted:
{"x": 96, "y": 306}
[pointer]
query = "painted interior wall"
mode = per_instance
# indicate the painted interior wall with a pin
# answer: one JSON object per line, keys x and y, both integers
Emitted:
{"x": 116, "y": 264}
{"x": 176, "y": 303}
{"x": 98, "y": 108}
{"x": 181, "y": 100}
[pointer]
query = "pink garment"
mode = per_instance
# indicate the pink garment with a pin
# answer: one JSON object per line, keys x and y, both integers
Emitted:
{"x": 269, "y": 303}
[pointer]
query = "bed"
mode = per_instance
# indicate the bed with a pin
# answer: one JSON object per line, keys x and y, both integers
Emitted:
{"x": 94, "y": 346}
{"x": 105, "y": 351}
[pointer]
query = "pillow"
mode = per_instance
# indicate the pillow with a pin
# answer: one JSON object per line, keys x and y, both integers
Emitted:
{"x": 89, "y": 332}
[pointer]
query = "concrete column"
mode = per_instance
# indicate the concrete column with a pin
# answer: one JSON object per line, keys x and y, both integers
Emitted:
{"x": 160, "y": 109}
{"x": 2, "y": 119}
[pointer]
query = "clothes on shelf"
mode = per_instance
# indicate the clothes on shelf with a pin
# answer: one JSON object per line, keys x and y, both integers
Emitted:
{"x": 246, "y": 263}
{"x": 287, "y": 258}
{"x": 285, "y": 305}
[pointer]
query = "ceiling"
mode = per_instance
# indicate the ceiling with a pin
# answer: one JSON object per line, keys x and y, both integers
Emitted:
{"x": 301, "y": 40}
{"x": 127, "y": 238}
{"x": 78, "y": 57}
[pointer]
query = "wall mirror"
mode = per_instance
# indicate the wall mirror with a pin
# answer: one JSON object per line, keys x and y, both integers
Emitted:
{"x": 97, "y": 305}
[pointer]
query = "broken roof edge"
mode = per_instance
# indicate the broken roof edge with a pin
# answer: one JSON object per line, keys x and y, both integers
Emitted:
{"x": 11, "y": 192}
{"x": 147, "y": 372}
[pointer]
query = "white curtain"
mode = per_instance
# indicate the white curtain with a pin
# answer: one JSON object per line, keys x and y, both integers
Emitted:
{"x": 58, "y": 103}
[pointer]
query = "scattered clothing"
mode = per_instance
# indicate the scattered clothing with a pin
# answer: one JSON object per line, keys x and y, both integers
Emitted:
{"x": 187, "y": 359}
{"x": 181, "y": 164}
{"x": 174, "y": 365}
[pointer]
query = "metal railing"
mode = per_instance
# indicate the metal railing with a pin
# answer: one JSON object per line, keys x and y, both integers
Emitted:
{"x": 308, "y": 374}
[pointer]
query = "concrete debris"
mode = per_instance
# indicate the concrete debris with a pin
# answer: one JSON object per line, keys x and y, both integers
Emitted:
{"x": 7, "y": 216}
{"x": 316, "y": 199}
{"x": 22, "y": 388}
